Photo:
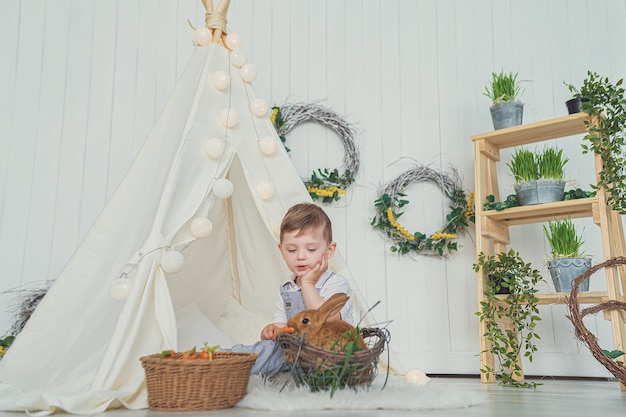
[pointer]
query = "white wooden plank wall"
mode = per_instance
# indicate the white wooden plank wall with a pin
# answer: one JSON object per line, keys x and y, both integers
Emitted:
{"x": 82, "y": 81}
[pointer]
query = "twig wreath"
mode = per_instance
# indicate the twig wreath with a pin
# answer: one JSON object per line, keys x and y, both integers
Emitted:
{"x": 323, "y": 183}
{"x": 613, "y": 360}
{"x": 391, "y": 199}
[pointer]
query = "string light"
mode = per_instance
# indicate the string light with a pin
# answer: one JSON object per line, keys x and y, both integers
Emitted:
{"x": 200, "y": 227}
{"x": 172, "y": 262}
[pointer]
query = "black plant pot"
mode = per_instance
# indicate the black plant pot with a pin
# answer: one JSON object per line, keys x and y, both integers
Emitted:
{"x": 575, "y": 105}
{"x": 503, "y": 289}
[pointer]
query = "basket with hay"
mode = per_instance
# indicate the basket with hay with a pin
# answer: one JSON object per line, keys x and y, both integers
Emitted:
{"x": 329, "y": 354}
{"x": 323, "y": 369}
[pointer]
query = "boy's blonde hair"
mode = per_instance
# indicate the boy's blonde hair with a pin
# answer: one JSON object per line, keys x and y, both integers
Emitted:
{"x": 306, "y": 216}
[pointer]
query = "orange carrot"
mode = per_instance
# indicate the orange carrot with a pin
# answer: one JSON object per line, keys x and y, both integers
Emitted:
{"x": 190, "y": 354}
{"x": 168, "y": 354}
{"x": 285, "y": 329}
{"x": 207, "y": 351}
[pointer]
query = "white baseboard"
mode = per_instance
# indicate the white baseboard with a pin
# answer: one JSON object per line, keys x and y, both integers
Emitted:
{"x": 466, "y": 363}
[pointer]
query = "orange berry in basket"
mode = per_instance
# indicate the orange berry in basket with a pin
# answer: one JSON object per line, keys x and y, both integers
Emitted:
{"x": 170, "y": 354}
{"x": 190, "y": 354}
{"x": 187, "y": 355}
{"x": 207, "y": 351}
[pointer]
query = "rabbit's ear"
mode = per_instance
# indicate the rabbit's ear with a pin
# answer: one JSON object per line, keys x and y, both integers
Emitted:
{"x": 333, "y": 305}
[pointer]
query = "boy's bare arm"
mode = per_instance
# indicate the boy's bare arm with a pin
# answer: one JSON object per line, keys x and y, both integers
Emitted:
{"x": 311, "y": 296}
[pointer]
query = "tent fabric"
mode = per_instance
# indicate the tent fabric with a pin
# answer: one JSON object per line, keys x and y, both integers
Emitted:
{"x": 80, "y": 350}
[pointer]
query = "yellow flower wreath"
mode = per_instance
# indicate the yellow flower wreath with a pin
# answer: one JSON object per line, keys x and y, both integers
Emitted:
{"x": 391, "y": 199}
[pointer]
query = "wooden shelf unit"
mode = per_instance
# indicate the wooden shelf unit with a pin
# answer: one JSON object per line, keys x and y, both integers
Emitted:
{"x": 492, "y": 227}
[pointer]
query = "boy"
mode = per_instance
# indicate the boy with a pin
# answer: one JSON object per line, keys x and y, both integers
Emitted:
{"x": 306, "y": 244}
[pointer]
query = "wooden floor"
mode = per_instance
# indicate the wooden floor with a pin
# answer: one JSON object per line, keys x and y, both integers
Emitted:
{"x": 569, "y": 398}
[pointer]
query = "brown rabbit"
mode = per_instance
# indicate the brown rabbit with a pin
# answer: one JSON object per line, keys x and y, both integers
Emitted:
{"x": 330, "y": 335}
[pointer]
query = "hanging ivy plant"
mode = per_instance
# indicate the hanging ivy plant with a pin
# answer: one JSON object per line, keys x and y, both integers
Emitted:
{"x": 606, "y": 134}
{"x": 507, "y": 273}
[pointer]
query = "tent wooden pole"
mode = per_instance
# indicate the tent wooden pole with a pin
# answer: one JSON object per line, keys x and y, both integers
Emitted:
{"x": 208, "y": 5}
{"x": 236, "y": 285}
{"x": 222, "y": 9}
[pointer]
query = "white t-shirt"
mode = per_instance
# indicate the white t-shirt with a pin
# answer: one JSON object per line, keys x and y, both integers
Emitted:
{"x": 329, "y": 283}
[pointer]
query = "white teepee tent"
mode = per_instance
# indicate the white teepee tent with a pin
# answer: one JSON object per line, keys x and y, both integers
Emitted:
{"x": 80, "y": 350}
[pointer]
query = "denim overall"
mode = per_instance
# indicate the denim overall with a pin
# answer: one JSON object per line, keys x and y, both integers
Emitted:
{"x": 294, "y": 303}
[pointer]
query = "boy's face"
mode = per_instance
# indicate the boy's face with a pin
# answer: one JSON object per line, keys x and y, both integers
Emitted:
{"x": 304, "y": 249}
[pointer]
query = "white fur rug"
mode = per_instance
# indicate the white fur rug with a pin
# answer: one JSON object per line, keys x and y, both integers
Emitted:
{"x": 397, "y": 395}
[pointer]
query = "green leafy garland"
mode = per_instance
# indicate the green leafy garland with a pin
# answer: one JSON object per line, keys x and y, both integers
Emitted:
{"x": 391, "y": 199}
{"x": 512, "y": 200}
{"x": 327, "y": 185}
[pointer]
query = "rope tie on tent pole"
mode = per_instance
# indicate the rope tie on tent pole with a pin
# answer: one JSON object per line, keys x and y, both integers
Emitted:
{"x": 215, "y": 20}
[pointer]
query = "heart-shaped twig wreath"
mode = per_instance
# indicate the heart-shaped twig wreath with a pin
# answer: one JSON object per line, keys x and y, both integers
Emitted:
{"x": 576, "y": 315}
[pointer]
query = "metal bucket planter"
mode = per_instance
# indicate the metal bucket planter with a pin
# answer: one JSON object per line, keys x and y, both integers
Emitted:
{"x": 507, "y": 114}
{"x": 565, "y": 270}
{"x": 539, "y": 191}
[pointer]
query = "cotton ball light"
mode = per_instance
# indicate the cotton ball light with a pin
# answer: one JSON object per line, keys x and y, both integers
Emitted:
{"x": 234, "y": 40}
{"x": 215, "y": 147}
{"x": 259, "y": 107}
{"x": 223, "y": 188}
{"x": 120, "y": 289}
{"x": 266, "y": 189}
{"x": 248, "y": 73}
{"x": 202, "y": 36}
{"x": 268, "y": 145}
{"x": 172, "y": 261}
{"x": 228, "y": 117}
{"x": 201, "y": 227}
{"x": 238, "y": 57}
{"x": 221, "y": 80}
{"x": 417, "y": 377}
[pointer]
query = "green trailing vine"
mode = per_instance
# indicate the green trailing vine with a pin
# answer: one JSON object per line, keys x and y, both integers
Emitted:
{"x": 506, "y": 273}
{"x": 577, "y": 194}
{"x": 606, "y": 134}
{"x": 491, "y": 203}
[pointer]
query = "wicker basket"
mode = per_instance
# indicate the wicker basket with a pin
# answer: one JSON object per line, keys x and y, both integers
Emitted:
{"x": 322, "y": 369}
{"x": 187, "y": 385}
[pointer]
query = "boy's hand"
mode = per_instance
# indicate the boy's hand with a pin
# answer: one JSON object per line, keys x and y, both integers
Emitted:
{"x": 268, "y": 331}
{"x": 316, "y": 272}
